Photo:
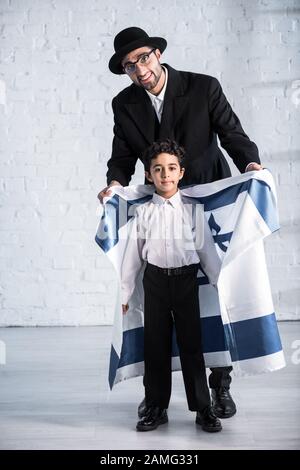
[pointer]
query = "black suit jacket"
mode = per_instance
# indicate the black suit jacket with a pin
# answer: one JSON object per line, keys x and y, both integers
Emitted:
{"x": 195, "y": 111}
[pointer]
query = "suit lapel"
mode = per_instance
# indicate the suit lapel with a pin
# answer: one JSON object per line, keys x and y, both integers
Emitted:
{"x": 174, "y": 103}
{"x": 142, "y": 113}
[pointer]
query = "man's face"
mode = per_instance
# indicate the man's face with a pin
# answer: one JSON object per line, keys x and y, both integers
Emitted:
{"x": 146, "y": 74}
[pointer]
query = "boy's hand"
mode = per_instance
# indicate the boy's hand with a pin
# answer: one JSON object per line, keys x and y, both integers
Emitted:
{"x": 125, "y": 308}
{"x": 106, "y": 191}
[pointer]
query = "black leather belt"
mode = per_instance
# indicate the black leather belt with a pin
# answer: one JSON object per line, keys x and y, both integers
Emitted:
{"x": 174, "y": 271}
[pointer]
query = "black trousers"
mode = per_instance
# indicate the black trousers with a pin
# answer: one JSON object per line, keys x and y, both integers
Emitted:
{"x": 168, "y": 300}
{"x": 220, "y": 377}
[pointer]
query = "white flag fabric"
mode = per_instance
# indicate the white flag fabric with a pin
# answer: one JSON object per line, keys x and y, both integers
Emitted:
{"x": 238, "y": 321}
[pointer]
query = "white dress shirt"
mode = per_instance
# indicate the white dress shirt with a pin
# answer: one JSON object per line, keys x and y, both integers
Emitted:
{"x": 158, "y": 100}
{"x": 168, "y": 233}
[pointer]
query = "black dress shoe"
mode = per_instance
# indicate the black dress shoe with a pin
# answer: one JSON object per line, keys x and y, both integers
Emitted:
{"x": 222, "y": 402}
{"x": 208, "y": 420}
{"x": 153, "y": 418}
{"x": 142, "y": 408}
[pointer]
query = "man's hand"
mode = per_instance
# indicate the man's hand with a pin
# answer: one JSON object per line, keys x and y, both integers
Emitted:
{"x": 125, "y": 308}
{"x": 254, "y": 166}
{"x": 106, "y": 191}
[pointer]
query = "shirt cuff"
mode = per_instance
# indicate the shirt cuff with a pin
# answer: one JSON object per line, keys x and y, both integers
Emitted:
{"x": 125, "y": 296}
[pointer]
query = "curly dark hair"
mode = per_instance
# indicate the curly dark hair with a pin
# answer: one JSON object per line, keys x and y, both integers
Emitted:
{"x": 163, "y": 146}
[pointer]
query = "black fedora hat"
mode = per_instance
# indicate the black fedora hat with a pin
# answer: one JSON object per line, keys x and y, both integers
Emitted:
{"x": 129, "y": 39}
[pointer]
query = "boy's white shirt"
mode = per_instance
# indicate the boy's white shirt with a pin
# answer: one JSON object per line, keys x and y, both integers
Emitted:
{"x": 168, "y": 233}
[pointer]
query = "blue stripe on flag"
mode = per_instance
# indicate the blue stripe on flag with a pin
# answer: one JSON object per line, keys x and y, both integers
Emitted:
{"x": 261, "y": 196}
{"x": 132, "y": 347}
{"x": 254, "y": 338}
{"x": 222, "y": 198}
{"x": 113, "y": 366}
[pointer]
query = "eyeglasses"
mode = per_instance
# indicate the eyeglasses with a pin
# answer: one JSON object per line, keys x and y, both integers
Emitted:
{"x": 144, "y": 59}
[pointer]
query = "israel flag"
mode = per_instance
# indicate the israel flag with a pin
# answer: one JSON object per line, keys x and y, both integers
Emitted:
{"x": 238, "y": 321}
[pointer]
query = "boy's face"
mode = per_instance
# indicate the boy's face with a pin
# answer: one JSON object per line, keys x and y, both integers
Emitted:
{"x": 165, "y": 173}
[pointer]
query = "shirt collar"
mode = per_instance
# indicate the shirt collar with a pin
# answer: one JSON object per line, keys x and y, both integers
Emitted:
{"x": 161, "y": 95}
{"x": 175, "y": 200}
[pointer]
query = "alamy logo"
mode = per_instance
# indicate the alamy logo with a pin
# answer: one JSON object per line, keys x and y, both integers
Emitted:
{"x": 2, "y": 353}
{"x": 295, "y": 96}
{"x": 296, "y": 354}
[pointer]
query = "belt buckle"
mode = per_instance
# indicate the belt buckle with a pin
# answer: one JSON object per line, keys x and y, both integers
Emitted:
{"x": 169, "y": 271}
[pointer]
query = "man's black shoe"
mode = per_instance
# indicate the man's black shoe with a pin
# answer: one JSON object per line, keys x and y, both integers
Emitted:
{"x": 222, "y": 402}
{"x": 153, "y": 418}
{"x": 142, "y": 408}
{"x": 208, "y": 420}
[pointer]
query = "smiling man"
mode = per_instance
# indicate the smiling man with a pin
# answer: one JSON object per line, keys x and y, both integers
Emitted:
{"x": 190, "y": 108}
{"x": 151, "y": 79}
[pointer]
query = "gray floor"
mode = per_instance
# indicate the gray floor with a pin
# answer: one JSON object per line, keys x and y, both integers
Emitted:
{"x": 53, "y": 395}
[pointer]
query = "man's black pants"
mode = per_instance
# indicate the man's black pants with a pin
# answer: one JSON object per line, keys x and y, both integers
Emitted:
{"x": 168, "y": 300}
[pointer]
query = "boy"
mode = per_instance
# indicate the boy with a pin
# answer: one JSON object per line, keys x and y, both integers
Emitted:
{"x": 163, "y": 236}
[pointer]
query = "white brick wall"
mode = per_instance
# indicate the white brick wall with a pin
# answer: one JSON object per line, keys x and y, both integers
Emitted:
{"x": 56, "y": 131}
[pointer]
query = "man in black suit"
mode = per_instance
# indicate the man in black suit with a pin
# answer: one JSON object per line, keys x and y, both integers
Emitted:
{"x": 189, "y": 108}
